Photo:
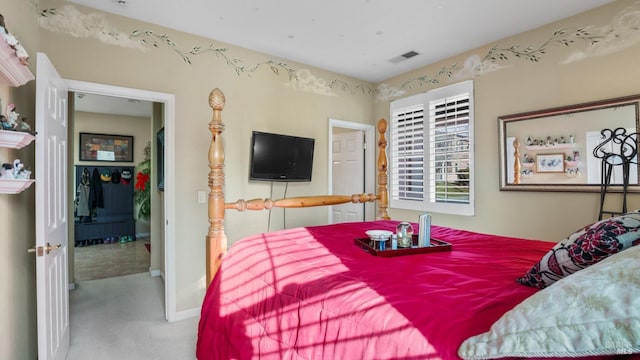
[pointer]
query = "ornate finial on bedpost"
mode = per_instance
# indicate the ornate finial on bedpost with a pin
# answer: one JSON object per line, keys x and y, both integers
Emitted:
{"x": 216, "y": 99}
{"x": 216, "y": 238}
{"x": 383, "y": 192}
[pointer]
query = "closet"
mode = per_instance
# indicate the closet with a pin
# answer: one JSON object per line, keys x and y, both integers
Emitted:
{"x": 114, "y": 219}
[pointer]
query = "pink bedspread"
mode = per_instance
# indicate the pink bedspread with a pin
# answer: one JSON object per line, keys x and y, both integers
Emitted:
{"x": 311, "y": 293}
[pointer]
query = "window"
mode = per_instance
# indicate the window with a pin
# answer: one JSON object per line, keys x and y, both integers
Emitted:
{"x": 432, "y": 151}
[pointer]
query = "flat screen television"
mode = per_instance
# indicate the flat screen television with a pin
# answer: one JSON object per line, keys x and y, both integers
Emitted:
{"x": 276, "y": 157}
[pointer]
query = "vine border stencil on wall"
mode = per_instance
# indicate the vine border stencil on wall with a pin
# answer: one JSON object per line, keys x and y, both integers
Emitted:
{"x": 620, "y": 33}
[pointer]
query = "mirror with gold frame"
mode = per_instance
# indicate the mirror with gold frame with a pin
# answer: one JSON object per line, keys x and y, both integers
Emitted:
{"x": 539, "y": 139}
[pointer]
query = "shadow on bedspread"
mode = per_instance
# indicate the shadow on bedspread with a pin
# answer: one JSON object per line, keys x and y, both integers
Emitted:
{"x": 310, "y": 293}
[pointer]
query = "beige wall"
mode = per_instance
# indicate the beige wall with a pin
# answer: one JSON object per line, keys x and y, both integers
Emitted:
{"x": 520, "y": 85}
{"x": 262, "y": 100}
{"x": 257, "y": 101}
{"x": 17, "y": 268}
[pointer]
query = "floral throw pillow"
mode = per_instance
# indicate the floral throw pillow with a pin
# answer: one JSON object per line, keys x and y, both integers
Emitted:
{"x": 583, "y": 248}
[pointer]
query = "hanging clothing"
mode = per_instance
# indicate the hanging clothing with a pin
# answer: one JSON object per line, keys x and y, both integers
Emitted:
{"x": 82, "y": 194}
{"x": 96, "y": 196}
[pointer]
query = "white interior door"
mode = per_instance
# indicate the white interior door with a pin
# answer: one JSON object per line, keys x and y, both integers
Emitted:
{"x": 51, "y": 212}
{"x": 348, "y": 174}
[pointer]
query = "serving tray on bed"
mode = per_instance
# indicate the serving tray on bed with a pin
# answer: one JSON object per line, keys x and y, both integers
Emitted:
{"x": 392, "y": 250}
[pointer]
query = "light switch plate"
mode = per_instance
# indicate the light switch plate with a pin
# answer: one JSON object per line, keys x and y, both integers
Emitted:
{"x": 202, "y": 197}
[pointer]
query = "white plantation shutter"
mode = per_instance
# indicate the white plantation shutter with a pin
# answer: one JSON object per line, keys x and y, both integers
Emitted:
{"x": 407, "y": 153}
{"x": 449, "y": 148}
{"x": 432, "y": 151}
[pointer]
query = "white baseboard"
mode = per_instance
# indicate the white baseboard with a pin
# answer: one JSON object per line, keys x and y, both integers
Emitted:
{"x": 155, "y": 273}
{"x": 187, "y": 314}
{"x": 143, "y": 235}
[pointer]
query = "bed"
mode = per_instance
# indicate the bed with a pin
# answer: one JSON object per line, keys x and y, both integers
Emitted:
{"x": 311, "y": 293}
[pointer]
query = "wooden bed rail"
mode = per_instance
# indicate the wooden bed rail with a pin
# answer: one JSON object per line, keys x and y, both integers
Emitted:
{"x": 216, "y": 240}
{"x": 299, "y": 202}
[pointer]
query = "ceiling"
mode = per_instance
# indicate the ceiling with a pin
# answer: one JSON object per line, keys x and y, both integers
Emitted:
{"x": 103, "y": 104}
{"x": 363, "y": 39}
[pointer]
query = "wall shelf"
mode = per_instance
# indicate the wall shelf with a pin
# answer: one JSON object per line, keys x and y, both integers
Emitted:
{"x": 12, "y": 71}
{"x": 549, "y": 147}
{"x": 14, "y": 186}
{"x": 15, "y": 139}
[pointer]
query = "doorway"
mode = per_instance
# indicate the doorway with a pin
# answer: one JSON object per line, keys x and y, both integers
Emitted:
{"x": 112, "y": 235}
{"x": 357, "y": 168}
{"x": 160, "y": 223}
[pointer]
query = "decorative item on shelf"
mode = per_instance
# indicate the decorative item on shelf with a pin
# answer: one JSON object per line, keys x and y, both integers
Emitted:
{"x": 25, "y": 126}
{"x": 571, "y": 165}
{"x": 142, "y": 190}
{"x": 12, "y": 117}
{"x": 528, "y": 161}
{"x": 13, "y": 42}
{"x": 527, "y": 172}
{"x": 14, "y": 69}
{"x": 540, "y": 145}
{"x": 15, "y": 171}
{"x": 572, "y": 172}
{"x": 404, "y": 232}
{"x": 548, "y": 142}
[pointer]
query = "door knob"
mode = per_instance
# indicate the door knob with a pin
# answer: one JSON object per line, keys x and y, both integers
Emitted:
{"x": 41, "y": 250}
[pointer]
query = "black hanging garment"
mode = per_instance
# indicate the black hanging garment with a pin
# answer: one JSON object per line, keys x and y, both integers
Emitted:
{"x": 96, "y": 196}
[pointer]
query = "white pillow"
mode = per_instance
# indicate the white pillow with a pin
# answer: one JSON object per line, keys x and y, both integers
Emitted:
{"x": 595, "y": 311}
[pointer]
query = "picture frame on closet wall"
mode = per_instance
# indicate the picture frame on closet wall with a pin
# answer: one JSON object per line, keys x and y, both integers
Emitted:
{"x": 105, "y": 147}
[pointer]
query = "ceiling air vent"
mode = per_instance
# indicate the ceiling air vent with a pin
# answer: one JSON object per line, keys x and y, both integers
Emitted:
{"x": 403, "y": 57}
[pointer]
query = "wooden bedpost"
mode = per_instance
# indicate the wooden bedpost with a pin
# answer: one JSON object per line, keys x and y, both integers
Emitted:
{"x": 216, "y": 238}
{"x": 383, "y": 192}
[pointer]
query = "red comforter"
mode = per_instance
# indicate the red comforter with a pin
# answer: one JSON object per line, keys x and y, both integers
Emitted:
{"x": 311, "y": 293}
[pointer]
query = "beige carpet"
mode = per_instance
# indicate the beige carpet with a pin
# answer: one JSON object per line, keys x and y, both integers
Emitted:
{"x": 123, "y": 318}
{"x": 109, "y": 260}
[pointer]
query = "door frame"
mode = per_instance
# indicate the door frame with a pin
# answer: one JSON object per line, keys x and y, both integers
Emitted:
{"x": 169, "y": 163}
{"x": 369, "y": 163}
